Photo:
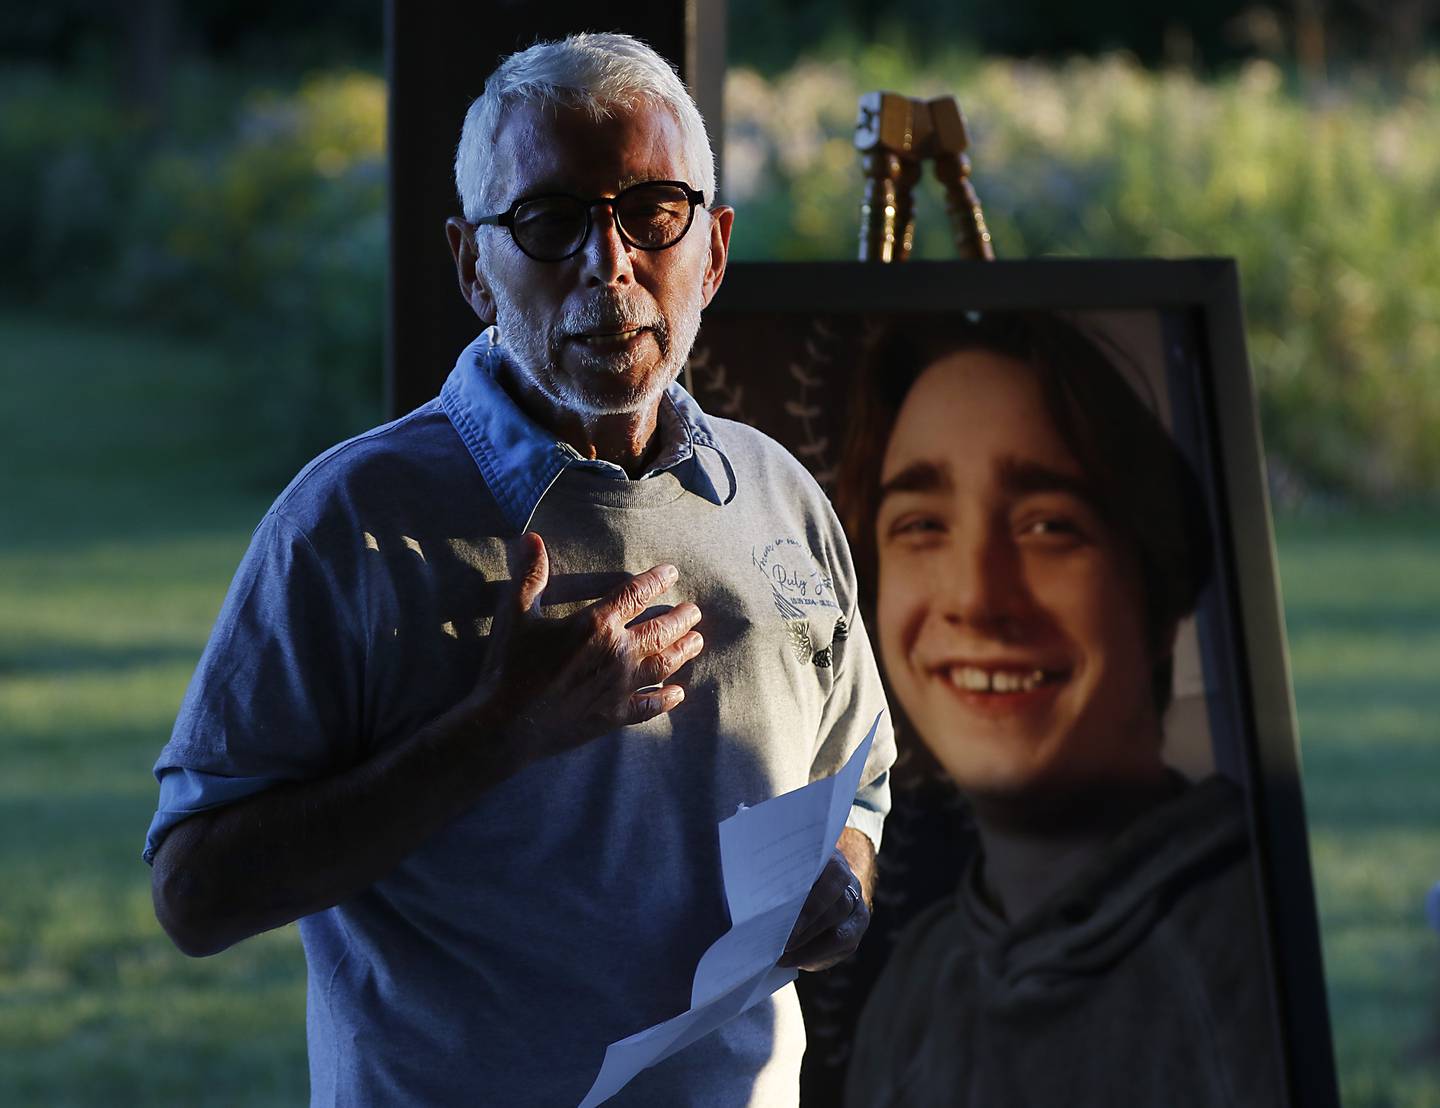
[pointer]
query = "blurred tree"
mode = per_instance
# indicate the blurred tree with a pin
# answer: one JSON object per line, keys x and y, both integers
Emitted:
{"x": 1401, "y": 28}
{"x": 778, "y": 31}
{"x": 1310, "y": 39}
{"x": 152, "y": 45}
{"x": 272, "y": 36}
{"x": 770, "y": 35}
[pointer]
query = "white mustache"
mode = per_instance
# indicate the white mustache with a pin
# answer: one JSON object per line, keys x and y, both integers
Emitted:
{"x": 610, "y": 314}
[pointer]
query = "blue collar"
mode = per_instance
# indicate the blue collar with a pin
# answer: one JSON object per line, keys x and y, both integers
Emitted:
{"x": 520, "y": 460}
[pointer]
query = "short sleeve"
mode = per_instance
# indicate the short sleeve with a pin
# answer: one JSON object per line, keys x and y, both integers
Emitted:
{"x": 857, "y": 698}
{"x": 277, "y": 693}
{"x": 857, "y": 695}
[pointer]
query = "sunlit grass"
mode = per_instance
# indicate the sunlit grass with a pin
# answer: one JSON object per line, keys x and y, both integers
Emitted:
{"x": 1362, "y": 600}
{"x": 114, "y": 556}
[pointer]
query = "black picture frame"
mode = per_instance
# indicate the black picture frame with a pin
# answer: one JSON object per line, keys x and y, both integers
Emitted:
{"x": 767, "y": 354}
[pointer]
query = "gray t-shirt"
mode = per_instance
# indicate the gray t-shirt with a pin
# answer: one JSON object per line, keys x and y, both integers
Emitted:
{"x": 569, "y": 907}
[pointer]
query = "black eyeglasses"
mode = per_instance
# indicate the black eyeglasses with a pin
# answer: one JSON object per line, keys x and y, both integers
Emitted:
{"x": 652, "y": 215}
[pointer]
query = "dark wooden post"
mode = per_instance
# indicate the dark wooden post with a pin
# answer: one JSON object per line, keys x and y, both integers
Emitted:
{"x": 438, "y": 56}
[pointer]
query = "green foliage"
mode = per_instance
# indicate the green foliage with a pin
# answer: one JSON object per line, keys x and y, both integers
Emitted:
{"x": 259, "y": 221}
{"x": 64, "y": 149}
{"x": 774, "y": 32}
{"x": 266, "y": 235}
{"x": 1328, "y": 204}
{"x": 276, "y": 237}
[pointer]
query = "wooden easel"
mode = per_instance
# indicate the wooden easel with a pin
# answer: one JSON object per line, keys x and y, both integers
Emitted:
{"x": 895, "y": 134}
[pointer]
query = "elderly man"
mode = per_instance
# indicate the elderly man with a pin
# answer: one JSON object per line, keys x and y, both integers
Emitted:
{"x": 448, "y": 718}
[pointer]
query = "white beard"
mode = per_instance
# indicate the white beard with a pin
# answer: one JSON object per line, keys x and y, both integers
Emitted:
{"x": 534, "y": 350}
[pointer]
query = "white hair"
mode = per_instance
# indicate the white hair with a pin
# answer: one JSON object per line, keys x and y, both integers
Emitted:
{"x": 601, "y": 73}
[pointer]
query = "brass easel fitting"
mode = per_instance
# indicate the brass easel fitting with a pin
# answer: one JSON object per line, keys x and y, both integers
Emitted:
{"x": 894, "y": 135}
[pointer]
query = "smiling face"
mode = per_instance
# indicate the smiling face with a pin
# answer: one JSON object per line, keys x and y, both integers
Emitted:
{"x": 606, "y": 331}
{"x": 1010, "y": 615}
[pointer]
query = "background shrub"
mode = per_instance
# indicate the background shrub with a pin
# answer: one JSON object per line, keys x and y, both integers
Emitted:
{"x": 265, "y": 232}
{"x": 257, "y": 219}
{"x": 1327, "y": 202}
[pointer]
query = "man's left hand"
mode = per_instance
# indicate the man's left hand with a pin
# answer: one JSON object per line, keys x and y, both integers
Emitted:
{"x": 832, "y": 921}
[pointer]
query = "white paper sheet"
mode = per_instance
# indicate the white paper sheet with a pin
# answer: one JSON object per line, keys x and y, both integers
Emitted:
{"x": 770, "y": 856}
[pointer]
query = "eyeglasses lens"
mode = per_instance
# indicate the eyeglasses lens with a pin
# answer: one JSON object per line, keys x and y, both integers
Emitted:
{"x": 651, "y": 216}
{"x": 549, "y": 227}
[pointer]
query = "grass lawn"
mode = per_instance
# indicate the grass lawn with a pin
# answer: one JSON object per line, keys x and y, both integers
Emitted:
{"x": 1362, "y": 603}
{"x": 131, "y": 479}
{"x": 124, "y": 513}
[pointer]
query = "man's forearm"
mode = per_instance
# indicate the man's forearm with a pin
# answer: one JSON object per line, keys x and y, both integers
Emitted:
{"x": 224, "y": 875}
{"x": 859, "y": 854}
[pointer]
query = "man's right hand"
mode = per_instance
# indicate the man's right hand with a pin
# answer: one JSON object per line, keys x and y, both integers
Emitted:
{"x": 559, "y": 683}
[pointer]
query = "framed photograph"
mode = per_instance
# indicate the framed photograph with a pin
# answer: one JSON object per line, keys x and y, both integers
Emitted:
{"x": 1005, "y": 442}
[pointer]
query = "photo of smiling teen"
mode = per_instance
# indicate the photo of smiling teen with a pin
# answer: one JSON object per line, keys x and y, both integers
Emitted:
{"x": 1031, "y": 541}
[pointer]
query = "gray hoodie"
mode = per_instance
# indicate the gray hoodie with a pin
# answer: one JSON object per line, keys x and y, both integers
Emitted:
{"x": 1143, "y": 981}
